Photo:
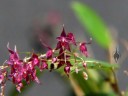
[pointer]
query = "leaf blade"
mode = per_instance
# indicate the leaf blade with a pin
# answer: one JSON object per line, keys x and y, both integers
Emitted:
{"x": 93, "y": 23}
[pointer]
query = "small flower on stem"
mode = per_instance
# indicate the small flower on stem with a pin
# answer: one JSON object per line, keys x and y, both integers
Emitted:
{"x": 43, "y": 65}
{"x": 35, "y": 60}
{"x": 50, "y": 51}
{"x": 71, "y": 38}
{"x": 83, "y": 49}
{"x": 2, "y": 76}
{"x": 63, "y": 41}
{"x": 85, "y": 75}
{"x": 67, "y": 70}
{"x": 84, "y": 64}
{"x": 76, "y": 70}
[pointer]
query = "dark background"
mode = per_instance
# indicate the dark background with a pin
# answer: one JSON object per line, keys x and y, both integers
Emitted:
{"x": 18, "y": 17}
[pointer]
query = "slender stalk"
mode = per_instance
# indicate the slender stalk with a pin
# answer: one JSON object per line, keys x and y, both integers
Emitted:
{"x": 113, "y": 78}
{"x": 115, "y": 85}
{"x": 76, "y": 87}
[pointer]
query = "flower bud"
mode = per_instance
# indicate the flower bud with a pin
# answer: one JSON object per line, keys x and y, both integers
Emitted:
{"x": 76, "y": 70}
{"x": 85, "y": 75}
{"x": 84, "y": 64}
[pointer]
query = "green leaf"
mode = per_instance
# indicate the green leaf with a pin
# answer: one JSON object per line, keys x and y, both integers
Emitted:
{"x": 96, "y": 79}
{"x": 92, "y": 87}
{"x": 93, "y": 23}
{"x": 96, "y": 64}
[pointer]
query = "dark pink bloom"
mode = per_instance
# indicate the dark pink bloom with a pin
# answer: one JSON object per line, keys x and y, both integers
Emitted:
{"x": 14, "y": 61}
{"x": 17, "y": 77}
{"x": 63, "y": 34}
{"x": 30, "y": 74}
{"x": 68, "y": 63}
{"x": 67, "y": 70}
{"x": 67, "y": 67}
{"x": 58, "y": 46}
{"x": 83, "y": 48}
{"x": 43, "y": 65}
{"x": 71, "y": 38}
{"x": 14, "y": 57}
{"x": 34, "y": 77}
{"x": 63, "y": 41}
{"x": 54, "y": 59}
{"x": 35, "y": 60}
{"x": 2, "y": 76}
{"x": 22, "y": 70}
{"x": 26, "y": 69}
{"x": 49, "y": 54}
{"x": 63, "y": 44}
{"x": 61, "y": 63}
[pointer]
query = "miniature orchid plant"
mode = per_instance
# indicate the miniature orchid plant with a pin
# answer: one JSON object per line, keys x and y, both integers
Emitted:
{"x": 65, "y": 55}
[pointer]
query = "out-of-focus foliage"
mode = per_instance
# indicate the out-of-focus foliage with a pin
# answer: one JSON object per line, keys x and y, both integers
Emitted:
{"x": 93, "y": 23}
{"x": 96, "y": 64}
{"x": 96, "y": 84}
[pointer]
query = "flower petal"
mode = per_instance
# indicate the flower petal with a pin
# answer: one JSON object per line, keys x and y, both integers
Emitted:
{"x": 71, "y": 38}
{"x": 67, "y": 70}
{"x": 63, "y": 34}
{"x": 49, "y": 54}
{"x": 83, "y": 48}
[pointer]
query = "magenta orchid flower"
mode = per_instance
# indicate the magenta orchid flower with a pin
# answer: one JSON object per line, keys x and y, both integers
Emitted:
{"x": 2, "y": 76}
{"x": 83, "y": 48}
{"x": 35, "y": 60}
{"x": 63, "y": 41}
{"x": 43, "y": 65}
{"x": 71, "y": 38}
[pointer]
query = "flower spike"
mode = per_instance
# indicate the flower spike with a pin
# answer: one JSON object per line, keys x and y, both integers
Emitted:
{"x": 64, "y": 56}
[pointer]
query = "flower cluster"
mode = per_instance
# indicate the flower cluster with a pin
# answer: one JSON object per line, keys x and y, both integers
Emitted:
{"x": 66, "y": 48}
{"x": 64, "y": 55}
{"x": 22, "y": 69}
